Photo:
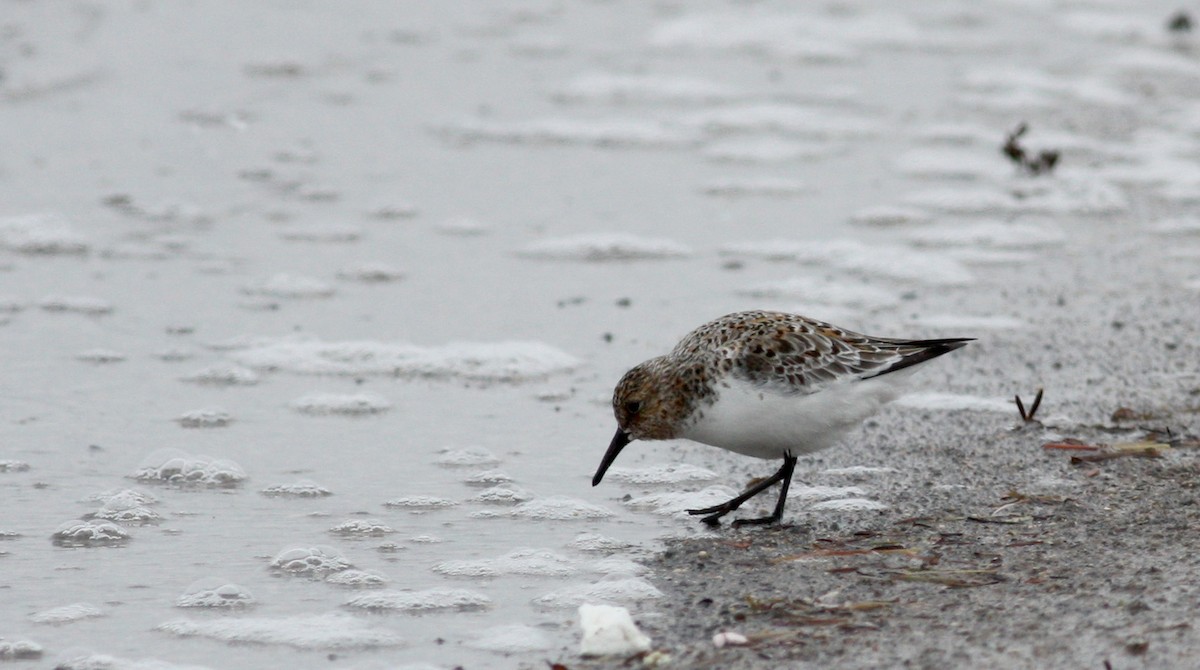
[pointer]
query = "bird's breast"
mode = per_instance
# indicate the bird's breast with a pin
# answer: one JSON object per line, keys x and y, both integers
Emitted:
{"x": 762, "y": 422}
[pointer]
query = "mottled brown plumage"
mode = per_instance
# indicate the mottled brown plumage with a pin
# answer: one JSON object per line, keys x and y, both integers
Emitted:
{"x": 765, "y": 384}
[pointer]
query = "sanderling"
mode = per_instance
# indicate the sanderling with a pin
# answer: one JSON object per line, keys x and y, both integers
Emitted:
{"x": 763, "y": 384}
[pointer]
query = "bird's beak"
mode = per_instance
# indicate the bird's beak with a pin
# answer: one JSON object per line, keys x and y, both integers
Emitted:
{"x": 618, "y": 443}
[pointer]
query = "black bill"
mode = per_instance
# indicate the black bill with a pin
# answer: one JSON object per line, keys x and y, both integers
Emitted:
{"x": 618, "y": 443}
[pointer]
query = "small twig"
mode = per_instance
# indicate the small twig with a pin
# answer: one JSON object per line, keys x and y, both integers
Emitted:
{"x": 1071, "y": 444}
{"x": 1037, "y": 402}
{"x": 1149, "y": 452}
{"x": 1043, "y": 163}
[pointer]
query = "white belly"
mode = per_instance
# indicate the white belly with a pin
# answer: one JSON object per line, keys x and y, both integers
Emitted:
{"x": 757, "y": 422}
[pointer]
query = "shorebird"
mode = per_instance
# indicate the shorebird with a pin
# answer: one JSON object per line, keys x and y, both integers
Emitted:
{"x": 763, "y": 384}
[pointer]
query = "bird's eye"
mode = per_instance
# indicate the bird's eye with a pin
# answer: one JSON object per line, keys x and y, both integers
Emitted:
{"x": 633, "y": 406}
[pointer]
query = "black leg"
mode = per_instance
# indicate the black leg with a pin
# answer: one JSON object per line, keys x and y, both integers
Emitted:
{"x": 717, "y": 511}
{"x": 789, "y": 464}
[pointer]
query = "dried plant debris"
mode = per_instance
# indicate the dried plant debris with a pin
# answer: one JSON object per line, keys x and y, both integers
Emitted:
{"x": 1153, "y": 443}
{"x": 1033, "y": 165}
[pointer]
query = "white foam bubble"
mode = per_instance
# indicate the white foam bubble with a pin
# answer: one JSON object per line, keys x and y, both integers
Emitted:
{"x": 21, "y": 650}
{"x": 990, "y": 234}
{"x": 976, "y": 256}
{"x": 618, "y": 567}
{"x": 126, "y": 511}
{"x": 663, "y": 473}
{"x": 502, "y": 495}
{"x": 10, "y": 465}
{"x": 559, "y": 508}
{"x": 215, "y": 593}
{"x": 417, "y": 602}
{"x": 100, "y": 356}
{"x": 488, "y": 478}
{"x": 875, "y": 260}
{"x": 763, "y": 150}
{"x": 362, "y": 528}
{"x": 425, "y": 539}
{"x": 512, "y": 362}
{"x": 848, "y": 505}
{"x": 1153, "y": 61}
{"x": 767, "y": 187}
{"x": 67, "y": 613}
{"x": 1116, "y": 26}
{"x": 787, "y": 36}
{"x": 610, "y": 133}
{"x": 954, "y": 133}
{"x": 1042, "y": 197}
{"x": 315, "y": 561}
{"x": 284, "y": 285}
{"x": 322, "y": 631}
{"x": 677, "y": 503}
{"x": 176, "y": 466}
{"x": 511, "y": 639}
{"x": 89, "y": 533}
{"x": 41, "y": 234}
{"x": 1071, "y": 196}
{"x": 527, "y": 562}
{"x": 623, "y": 89}
{"x": 421, "y": 502}
{"x": 141, "y": 251}
{"x": 358, "y": 579}
{"x": 76, "y": 304}
{"x": 782, "y": 119}
{"x": 206, "y": 417}
{"x": 609, "y": 631}
{"x": 107, "y": 662}
{"x": 305, "y": 488}
{"x": 538, "y": 46}
{"x": 890, "y": 215}
{"x": 128, "y": 496}
{"x": 463, "y": 226}
{"x": 467, "y": 456}
{"x": 597, "y": 543}
{"x": 344, "y": 404}
{"x": 321, "y": 232}
{"x": 609, "y": 591}
{"x": 1007, "y": 87}
{"x": 605, "y": 247}
{"x": 395, "y": 210}
{"x": 942, "y": 163}
{"x": 174, "y": 355}
{"x": 371, "y": 273}
{"x": 224, "y": 375}
{"x": 819, "y": 290}
{"x": 1177, "y": 226}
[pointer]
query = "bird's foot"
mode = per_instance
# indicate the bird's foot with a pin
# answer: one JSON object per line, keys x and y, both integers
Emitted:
{"x": 761, "y": 521}
{"x": 716, "y": 512}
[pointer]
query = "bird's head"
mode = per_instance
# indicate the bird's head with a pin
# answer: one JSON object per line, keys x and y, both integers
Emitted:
{"x": 642, "y": 411}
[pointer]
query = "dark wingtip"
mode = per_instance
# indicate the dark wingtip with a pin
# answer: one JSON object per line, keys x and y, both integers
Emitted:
{"x": 926, "y": 350}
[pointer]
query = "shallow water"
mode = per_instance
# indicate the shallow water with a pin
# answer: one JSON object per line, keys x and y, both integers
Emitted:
{"x": 401, "y": 255}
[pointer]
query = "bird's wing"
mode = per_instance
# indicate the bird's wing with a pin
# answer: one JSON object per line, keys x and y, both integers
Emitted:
{"x": 793, "y": 354}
